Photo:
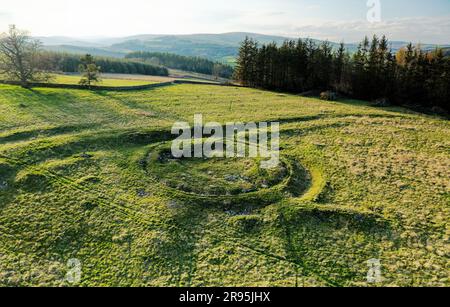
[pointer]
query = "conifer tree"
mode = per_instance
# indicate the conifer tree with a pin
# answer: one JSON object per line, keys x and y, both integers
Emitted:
{"x": 89, "y": 70}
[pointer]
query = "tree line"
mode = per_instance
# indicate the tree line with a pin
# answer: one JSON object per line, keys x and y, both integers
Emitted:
{"x": 186, "y": 63}
{"x": 409, "y": 77}
{"x": 64, "y": 62}
{"x": 23, "y": 60}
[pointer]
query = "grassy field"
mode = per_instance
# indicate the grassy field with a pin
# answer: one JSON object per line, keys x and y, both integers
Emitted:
{"x": 83, "y": 175}
{"x": 117, "y": 80}
{"x": 192, "y": 76}
{"x": 106, "y": 80}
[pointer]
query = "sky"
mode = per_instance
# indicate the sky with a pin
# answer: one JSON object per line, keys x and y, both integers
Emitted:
{"x": 335, "y": 20}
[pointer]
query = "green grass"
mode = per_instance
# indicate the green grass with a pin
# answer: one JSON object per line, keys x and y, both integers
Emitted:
{"x": 80, "y": 178}
{"x": 193, "y": 76}
{"x": 107, "y": 81}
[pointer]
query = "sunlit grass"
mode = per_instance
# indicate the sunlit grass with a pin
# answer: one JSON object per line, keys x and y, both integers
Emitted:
{"x": 105, "y": 81}
{"x": 80, "y": 178}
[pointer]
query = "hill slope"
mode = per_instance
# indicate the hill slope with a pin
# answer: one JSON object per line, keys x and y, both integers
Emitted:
{"x": 87, "y": 175}
{"x": 220, "y": 47}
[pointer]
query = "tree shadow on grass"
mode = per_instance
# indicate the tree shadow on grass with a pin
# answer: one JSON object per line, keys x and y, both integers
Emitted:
{"x": 333, "y": 246}
{"x": 174, "y": 252}
{"x": 8, "y": 172}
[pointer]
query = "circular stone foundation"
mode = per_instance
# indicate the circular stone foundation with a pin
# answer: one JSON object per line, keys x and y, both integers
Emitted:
{"x": 222, "y": 180}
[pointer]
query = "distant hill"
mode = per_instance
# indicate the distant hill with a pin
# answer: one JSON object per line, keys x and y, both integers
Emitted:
{"x": 218, "y": 47}
{"x": 447, "y": 51}
{"x": 103, "y": 52}
{"x": 184, "y": 63}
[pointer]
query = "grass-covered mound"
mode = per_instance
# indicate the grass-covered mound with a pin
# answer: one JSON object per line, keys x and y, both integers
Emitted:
{"x": 82, "y": 175}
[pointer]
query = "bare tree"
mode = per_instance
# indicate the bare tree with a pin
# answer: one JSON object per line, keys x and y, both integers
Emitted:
{"x": 19, "y": 57}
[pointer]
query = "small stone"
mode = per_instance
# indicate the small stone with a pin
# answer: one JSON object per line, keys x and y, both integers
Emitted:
{"x": 3, "y": 185}
{"x": 142, "y": 193}
{"x": 328, "y": 95}
{"x": 231, "y": 178}
{"x": 230, "y": 212}
{"x": 173, "y": 204}
{"x": 86, "y": 156}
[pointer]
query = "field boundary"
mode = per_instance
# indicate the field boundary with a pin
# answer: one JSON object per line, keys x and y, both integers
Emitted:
{"x": 205, "y": 83}
{"x": 94, "y": 87}
{"x": 114, "y": 88}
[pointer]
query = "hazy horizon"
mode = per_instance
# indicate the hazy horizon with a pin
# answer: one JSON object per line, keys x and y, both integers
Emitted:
{"x": 105, "y": 37}
{"x": 334, "y": 20}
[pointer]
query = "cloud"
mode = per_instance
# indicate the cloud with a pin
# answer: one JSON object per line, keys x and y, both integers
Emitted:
{"x": 299, "y": 18}
{"x": 5, "y": 20}
{"x": 313, "y": 7}
{"x": 5, "y": 15}
{"x": 417, "y": 29}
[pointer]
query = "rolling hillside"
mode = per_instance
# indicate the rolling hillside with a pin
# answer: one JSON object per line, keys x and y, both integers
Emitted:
{"x": 219, "y": 47}
{"x": 88, "y": 175}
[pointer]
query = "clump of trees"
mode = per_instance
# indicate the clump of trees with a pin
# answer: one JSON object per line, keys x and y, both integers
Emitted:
{"x": 409, "y": 77}
{"x": 20, "y": 57}
{"x": 186, "y": 63}
{"x": 423, "y": 77}
{"x": 64, "y": 62}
